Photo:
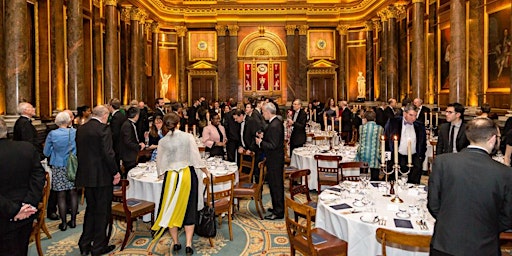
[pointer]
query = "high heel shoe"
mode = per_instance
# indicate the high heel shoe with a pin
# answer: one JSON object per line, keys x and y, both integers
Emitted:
{"x": 63, "y": 226}
{"x": 177, "y": 247}
{"x": 189, "y": 250}
{"x": 72, "y": 224}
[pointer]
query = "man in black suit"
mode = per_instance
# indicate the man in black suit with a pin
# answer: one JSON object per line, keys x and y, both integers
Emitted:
{"x": 116, "y": 121}
{"x": 143, "y": 121}
{"x": 389, "y": 111}
{"x": 272, "y": 144}
{"x": 233, "y": 133}
{"x": 470, "y": 196}
{"x": 408, "y": 131}
{"x": 24, "y": 130}
{"x": 130, "y": 143}
{"x": 298, "y": 124}
{"x": 346, "y": 121}
{"x": 452, "y": 135}
{"x": 422, "y": 110}
{"x": 381, "y": 118}
{"x": 248, "y": 128}
{"x": 97, "y": 173}
{"x": 159, "y": 107}
{"x": 21, "y": 189}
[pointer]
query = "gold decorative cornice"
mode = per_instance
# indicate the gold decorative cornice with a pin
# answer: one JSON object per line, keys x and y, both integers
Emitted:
{"x": 221, "y": 30}
{"x": 109, "y": 2}
{"x": 368, "y": 25}
{"x": 125, "y": 14}
{"x": 342, "y": 29}
{"x": 233, "y": 30}
{"x": 181, "y": 31}
{"x": 376, "y": 25}
{"x": 290, "y": 29}
{"x": 303, "y": 30}
{"x": 155, "y": 27}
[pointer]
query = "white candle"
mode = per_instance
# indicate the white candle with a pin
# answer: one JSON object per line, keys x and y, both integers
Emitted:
{"x": 437, "y": 119}
{"x": 208, "y": 118}
{"x": 314, "y": 115}
{"x": 395, "y": 145}
{"x": 332, "y": 123}
{"x": 383, "y": 149}
{"x": 339, "y": 124}
{"x": 310, "y": 115}
{"x": 431, "y": 119}
{"x": 409, "y": 151}
{"x": 194, "y": 129}
{"x": 186, "y": 128}
{"x": 325, "y": 122}
{"x": 426, "y": 118}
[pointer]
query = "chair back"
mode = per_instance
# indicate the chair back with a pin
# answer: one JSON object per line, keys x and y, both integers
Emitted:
{"x": 300, "y": 188}
{"x": 46, "y": 194}
{"x": 202, "y": 151}
{"x": 299, "y": 229}
{"x": 40, "y": 224}
{"x": 124, "y": 186}
{"x": 247, "y": 161}
{"x": 224, "y": 194}
{"x": 328, "y": 170}
{"x": 321, "y": 140}
{"x": 355, "y": 168}
{"x": 262, "y": 165}
{"x": 386, "y": 235}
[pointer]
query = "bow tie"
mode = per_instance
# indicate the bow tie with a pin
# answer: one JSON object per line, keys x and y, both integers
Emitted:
{"x": 407, "y": 123}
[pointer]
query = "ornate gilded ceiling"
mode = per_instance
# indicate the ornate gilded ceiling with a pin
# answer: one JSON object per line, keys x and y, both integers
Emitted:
{"x": 320, "y": 12}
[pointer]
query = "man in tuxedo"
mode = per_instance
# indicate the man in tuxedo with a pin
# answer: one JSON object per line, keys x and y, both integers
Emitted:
{"x": 21, "y": 189}
{"x": 233, "y": 133}
{"x": 408, "y": 131}
{"x": 346, "y": 120}
{"x": 272, "y": 144}
{"x": 143, "y": 121}
{"x": 129, "y": 140}
{"x": 452, "y": 135}
{"x": 381, "y": 118}
{"x": 159, "y": 107}
{"x": 248, "y": 128}
{"x": 470, "y": 196}
{"x": 117, "y": 120}
{"x": 389, "y": 111}
{"x": 191, "y": 112}
{"x": 422, "y": 110}
{"x": 24, "y": 130}
{"x": 298, "y": 124}
{"x": 97, "y": 173}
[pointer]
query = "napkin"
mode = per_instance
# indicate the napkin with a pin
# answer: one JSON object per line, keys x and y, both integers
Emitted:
{"x": 334, "y": 189}
{"x": 342, "y": 206}
{"x": 403, "y": 223}
{"x": 375, "y": 184}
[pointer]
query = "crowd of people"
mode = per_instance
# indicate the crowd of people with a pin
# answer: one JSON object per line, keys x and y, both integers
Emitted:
{"x": 107, "y": 141}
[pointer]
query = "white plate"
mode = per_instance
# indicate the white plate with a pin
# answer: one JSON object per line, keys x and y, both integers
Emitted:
{"x": 369, "y": 218}
{"x": 403, "y": 215}
{"x": 358, "y": 203}
{"x": 328, "y": 197}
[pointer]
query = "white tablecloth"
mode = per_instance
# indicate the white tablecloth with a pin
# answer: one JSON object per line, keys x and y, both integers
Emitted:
{"x": 304, "y": 158}
{"x": 145, "y": 185}
{"x": 361, "y": 235}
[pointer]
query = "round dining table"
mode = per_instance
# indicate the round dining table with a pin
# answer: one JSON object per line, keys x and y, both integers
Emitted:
{"x": 354, "y": 214}
{"x": 146, "y": 185}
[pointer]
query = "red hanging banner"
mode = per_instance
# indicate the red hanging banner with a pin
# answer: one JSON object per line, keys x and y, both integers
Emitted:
{"x": 248, "y": 78}
{"x": 262, "y": 77}
{"x": 277, "y": 77}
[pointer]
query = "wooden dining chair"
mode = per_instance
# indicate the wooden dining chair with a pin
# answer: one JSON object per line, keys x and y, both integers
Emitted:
{"x": 506, "y": 240}
{"x": 39, "y": 223}
{"x": 400, "y": 238}
{"x": 321, "y": 140}
{"x": 247, "y": 162}
{"x": 301, "y": 235}
{"x": 202, "y": 151}
{"x": 223, "y": 199}
{"x": 328, "y": 170}
{"x": 130, "y": 209}
{"x": 301, "y": 189}
{"x": 362, "y": 167}
{"x": 250, "y": 190}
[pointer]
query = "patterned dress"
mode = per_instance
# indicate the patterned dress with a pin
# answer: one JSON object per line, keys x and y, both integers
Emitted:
{"x": 369, "y": 144}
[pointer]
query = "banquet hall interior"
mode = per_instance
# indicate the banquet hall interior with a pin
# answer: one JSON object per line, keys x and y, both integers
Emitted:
{"x": 64, "y": 54}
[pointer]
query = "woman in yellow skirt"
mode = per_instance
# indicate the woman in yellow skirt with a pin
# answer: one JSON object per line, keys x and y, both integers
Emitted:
{"x": 178, "y": 159}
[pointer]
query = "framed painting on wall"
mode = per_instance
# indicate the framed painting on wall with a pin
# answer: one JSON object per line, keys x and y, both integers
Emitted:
{"x": 444, "y": 58}
{"x": 321, "y": 44}
{"x": 202, "y": 45}
{"x": 499, "y": 49}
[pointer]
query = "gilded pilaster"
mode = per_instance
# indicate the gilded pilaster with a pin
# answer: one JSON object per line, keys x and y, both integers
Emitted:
{"x": 98, "y": 63}
{"x": 303, "y": 30}
{"x": 457, "y": 68}
{"x": 221, "y": 30}
{"x": 342, "y": 87}
{"x": 293, "y": 88}
{"x": 290, "y": 29}
{"x": 392, "y": 53}
{"x": 303, "y": 59}
{"x": 418, "y": 69}
{"x": 369, "y": 61}
{"x": 221, "y": 61}
{"x": 182, "y": 50}
{"x": 135, "y": 49}
{"x": 155, "y": 60}
{"x": 58, "y": 74}
{"x": 125, "y": 29}
{"x": 233, "y": 62}
{"x": 476, "y": 60}
{"x": 111, "y": 51}
{"x": 383, "y": 59}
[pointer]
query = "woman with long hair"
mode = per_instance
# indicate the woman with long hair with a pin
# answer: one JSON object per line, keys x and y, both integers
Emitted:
{"x": 177, "y": 160}
{"x": 156, "y": 132}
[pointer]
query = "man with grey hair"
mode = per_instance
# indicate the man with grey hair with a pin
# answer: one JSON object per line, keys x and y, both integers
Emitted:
{"x": 298, "y": 124}
{"x": 271, "y": 142}
{"x": 470, "y": 195}
{"x": 24, "y": 130}
{"x": 422, "y": 110}
{"x": 97, "y": 173}
{"x": 21, "y": 189}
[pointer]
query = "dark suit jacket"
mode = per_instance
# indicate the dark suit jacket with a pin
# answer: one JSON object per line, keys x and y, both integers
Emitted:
{"x": 443, "y": 140}
{"x": 142, "y": 122}
{"x": 389, "y": 113}
{"x": 470, "y": 196}
{"x": 232, "y": 127}
{"x": 158, "y": 112}
{"x": 421, "y": 116}
{"x": 22, "y": 181}
{"x": 298, "y": 136}
{"x": 96, "y": 159}
{"x": 380, "y": 117}
{"x": 128, "y": 144}
{"x": 115, "y": 127}
{"x": 346, "y": 120}
{"x": 394, "y": 127}
{"x": 24, "y": 131}
{"x": 256, "y": 115}
{"x": 273, "y": 145}
{"x": 251, "y": 126}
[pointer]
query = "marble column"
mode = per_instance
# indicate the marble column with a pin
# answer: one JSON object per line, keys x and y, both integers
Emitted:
{"x": 457, "y": 74}
{"x": 418, "y": 69}
{"x": 155, "y": 60}
{"x": 142, "y": 60}
{"x": 135, "y": 86}
{"x": 125, "y": 89}
{"x": 222, "y": 71}
{"x": 383, "y": 59}
{"x": 377, "y": 28}
{"x": 97, "y": 57}
{"x": 75, "y": 50}
{"x": 111, "y": 51}
{"x": 369, "y": 61}
{"x": 476, "y": 60}
{"x": 233, "y": 62}
{"x": 303, "y": 60}
{"x": 58, "y": 75}
{"x": 342, "y": 62}
{"x": 392, "y": 54}
{"x": 291, "y": 64}
{"x": 403, "y": 59}
{"x": 182, "y": 52}
{"x": 2, "y": 60}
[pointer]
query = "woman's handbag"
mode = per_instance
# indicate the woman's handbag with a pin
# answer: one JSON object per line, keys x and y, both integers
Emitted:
{"x": 72, "y": 163}
{"x": 206, "y": 226}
